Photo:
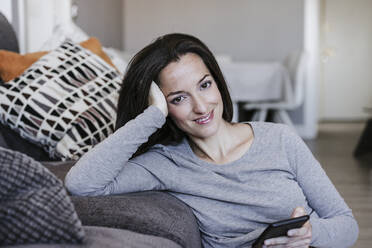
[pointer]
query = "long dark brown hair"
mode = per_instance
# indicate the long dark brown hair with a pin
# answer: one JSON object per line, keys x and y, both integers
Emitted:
{"x": 145, "y": 67}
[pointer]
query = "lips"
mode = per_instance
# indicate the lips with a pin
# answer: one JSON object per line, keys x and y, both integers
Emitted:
{"x": 205, "y": 119}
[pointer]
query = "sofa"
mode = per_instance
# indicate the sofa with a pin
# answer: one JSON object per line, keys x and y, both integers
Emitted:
{"x": 140, "y": 219}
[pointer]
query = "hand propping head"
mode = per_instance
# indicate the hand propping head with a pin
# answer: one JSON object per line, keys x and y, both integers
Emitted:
{"x": 157, "y": 98}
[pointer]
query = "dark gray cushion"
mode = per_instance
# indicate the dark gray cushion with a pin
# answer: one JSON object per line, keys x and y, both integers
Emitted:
{"x": 12, "y": 140}
{"x": 3, "y": 141}
{"x": 34, "y": 206}
{"x": 8, "y": 39}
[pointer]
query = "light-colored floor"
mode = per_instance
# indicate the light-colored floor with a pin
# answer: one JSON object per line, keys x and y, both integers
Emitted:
{"x": 352, "y": 177}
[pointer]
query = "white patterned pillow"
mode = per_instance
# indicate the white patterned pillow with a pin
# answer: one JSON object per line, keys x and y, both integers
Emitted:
{"x": 65, "y": 102}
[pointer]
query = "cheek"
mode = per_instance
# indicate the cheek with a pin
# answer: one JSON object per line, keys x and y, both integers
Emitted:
{"x": 178, "y": 113}
{"x": 214, "y": 97}
{"x": 218, "y": 95}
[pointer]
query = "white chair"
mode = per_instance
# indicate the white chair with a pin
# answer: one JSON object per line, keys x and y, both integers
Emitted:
{"x": 293, "y": 97}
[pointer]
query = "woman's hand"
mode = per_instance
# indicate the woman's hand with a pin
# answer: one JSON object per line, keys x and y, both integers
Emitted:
{"x": 157, "y": 98}
{"x": 300, "y": 237}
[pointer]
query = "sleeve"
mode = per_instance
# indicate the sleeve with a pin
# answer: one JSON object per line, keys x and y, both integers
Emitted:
{"x": 106, "y": 168}
{"x": 336, "y": 226}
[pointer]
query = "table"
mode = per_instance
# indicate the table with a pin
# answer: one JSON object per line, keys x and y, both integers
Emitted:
{"x": 256, "y": 82}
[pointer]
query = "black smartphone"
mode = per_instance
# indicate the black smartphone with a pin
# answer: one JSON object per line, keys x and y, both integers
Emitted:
{"x": 280, "y": 228}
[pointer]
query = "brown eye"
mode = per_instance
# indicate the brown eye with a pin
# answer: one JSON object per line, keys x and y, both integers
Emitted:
{"x": 206, "y": 84}
{"x": 177, "y": 99}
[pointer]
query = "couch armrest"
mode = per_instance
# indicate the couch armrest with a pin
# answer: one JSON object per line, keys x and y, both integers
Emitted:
{"x": 151, "y": 212}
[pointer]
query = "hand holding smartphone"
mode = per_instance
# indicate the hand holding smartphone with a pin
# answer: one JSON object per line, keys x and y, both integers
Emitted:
{"x": 280, "y": 228}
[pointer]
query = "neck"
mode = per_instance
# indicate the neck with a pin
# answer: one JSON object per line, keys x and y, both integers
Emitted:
{"x": 214, "y": 148}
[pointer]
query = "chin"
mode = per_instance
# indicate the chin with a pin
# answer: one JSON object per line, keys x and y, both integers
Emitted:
{"x": 206, "y": 131}
{"x": 205, "y": 135}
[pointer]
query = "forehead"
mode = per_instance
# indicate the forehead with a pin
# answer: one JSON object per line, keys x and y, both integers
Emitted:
{"x": 188, "y": 70}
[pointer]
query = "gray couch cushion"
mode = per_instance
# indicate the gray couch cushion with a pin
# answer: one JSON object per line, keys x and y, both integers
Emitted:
{"x": 103, "y": 237}
{"x": 152, "y": 212}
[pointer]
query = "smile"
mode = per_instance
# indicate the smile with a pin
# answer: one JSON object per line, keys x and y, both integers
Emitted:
{"x": 205, "y": 119}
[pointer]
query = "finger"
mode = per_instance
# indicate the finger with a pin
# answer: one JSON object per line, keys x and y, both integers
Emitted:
{"x": 157, "y": 98}
{"x": 298, "y": 232}
{"x": 297, "y": 212}
{"x": 152, "y": 93}
{"x": 287, "y": 240}
{"x": 292, "y": 244}
{"x": 276, "y": 246}
{"x": 299, "y": 243}
{"x": 307, "y": 224}
{"x": 154, "y": 89}
{"x": 276, "y": 241}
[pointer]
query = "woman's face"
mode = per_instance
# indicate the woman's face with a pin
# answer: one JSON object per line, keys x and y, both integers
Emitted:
{"x": 194, "y": 101}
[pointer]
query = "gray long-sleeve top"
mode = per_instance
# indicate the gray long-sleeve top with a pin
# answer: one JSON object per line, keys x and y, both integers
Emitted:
{"x": 233, "y": 202}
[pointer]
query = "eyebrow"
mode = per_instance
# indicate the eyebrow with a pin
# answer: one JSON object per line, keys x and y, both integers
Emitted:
{"x": 180, "y": 91}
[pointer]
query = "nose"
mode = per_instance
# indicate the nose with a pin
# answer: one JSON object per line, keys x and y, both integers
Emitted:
{"x": 200, "y": 106}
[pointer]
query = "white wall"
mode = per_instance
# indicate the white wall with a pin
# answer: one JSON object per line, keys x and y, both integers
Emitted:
{"x": 251, "y": 30}
{"x": 103, "y": 21}
{"x": 39, "y": 24}
{"x": 6, "y": 9}
{"x": 346, "y": 75}
{"x": 246, "y": 29}
{"x": 37, "y": 20}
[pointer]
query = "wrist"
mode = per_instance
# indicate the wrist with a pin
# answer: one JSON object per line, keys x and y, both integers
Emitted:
{"x": 162, "y": 109}
{"x": 157, "y": 113}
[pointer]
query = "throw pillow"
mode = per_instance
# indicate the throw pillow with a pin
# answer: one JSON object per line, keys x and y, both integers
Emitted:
{"x": 34, "y": 206}
{"x": 94, "y": 45}
{"x": 65, "y": 102}
{"x": 13, "y": 64}
{"x": 118, "y": 59}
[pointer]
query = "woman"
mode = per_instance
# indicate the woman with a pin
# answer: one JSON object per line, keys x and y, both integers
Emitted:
{"x": 174, "y": 133}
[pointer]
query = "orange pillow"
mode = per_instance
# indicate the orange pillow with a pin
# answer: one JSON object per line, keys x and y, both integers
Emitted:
{"x": 14, "y": 64}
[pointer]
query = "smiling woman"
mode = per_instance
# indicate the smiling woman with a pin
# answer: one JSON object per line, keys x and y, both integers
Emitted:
{"x": 174, "y": 133}
{"x": 192, "y": 95}
{"x": 157, "y": 62}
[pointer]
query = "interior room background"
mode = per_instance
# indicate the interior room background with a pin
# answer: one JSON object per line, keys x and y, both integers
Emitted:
{"x": 338, "y": 86}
